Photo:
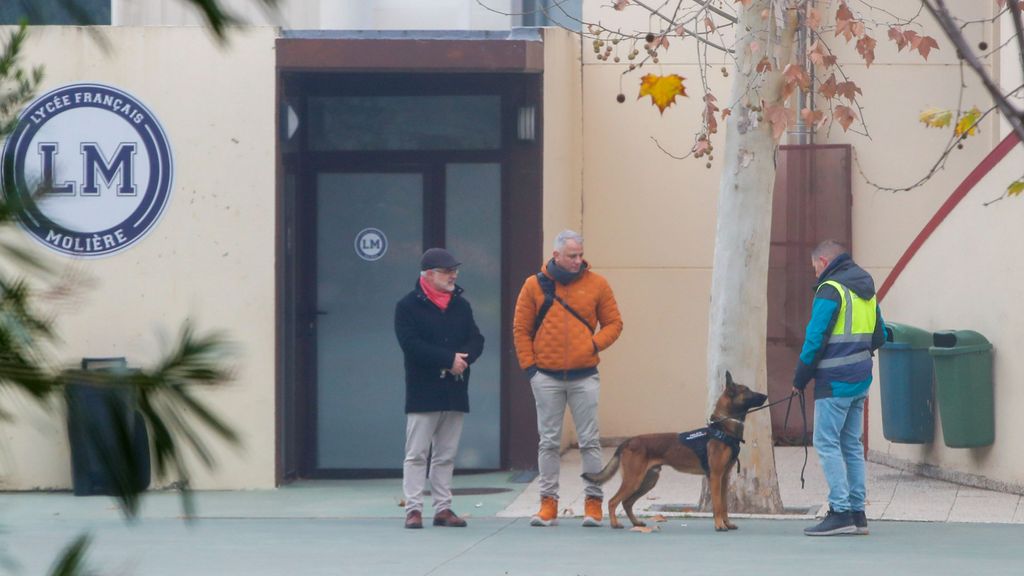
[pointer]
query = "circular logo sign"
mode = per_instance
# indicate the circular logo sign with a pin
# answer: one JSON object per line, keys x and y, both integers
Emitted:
{"x": 89, "y": 168}
{"x": 371, "y": 244}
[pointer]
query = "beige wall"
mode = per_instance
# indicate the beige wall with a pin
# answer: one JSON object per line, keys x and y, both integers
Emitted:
{"x": 649, "y": 222}
{"x": 963, "y": 278}
{"x": 563, "y": 126}
{"x": 209, "y": 259}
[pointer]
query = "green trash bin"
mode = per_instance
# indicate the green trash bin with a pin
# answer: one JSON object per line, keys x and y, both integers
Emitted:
{"x": 963, "y": 386}
{"x": 905, "y": 380}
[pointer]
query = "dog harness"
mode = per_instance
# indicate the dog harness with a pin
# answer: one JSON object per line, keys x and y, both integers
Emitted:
{"x": 697, "y": 440}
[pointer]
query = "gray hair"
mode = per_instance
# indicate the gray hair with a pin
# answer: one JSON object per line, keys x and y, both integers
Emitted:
{"x": 828, "y": 250}
{"x": 566, "y": 235}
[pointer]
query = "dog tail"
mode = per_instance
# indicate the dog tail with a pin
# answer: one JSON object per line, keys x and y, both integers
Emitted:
{"x": 609, "y": 469}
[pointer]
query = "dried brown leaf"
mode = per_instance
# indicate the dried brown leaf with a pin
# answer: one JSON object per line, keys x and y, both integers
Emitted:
{"x": 815, "y": 118}
{"x": 866, "y": 49}
{"x": 780, "y": 118}
{"x": 897, "y": 36}
{"x": 926, "y": 44}
{"x": 709, "y": 113}
{"x": 848, "y": 90}
{"x": 828, "y": 87}
{"x": 845, "y": 116}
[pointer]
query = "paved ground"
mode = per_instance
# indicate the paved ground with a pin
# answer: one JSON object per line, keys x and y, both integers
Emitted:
{"x": 892, "y": 494}
{"x": 354, "y": 528}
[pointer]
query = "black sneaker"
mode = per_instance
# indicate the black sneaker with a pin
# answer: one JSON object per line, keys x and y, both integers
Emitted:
{"x": 835, "y": 523}
{"x": 860, "y": 520}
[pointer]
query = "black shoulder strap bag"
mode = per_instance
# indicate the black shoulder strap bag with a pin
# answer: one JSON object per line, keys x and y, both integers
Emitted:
{"x": 547, "y": 286}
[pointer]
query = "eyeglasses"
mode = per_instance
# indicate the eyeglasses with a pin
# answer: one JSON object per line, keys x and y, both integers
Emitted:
{"x": 447, "y": 271}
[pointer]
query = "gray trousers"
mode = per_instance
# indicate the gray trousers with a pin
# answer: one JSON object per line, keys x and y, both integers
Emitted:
{"x": 423, "y": 429}
{"x": 552, "y": 395}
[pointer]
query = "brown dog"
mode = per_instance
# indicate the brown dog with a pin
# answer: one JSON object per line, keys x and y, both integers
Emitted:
{"x": 641, "y": 457}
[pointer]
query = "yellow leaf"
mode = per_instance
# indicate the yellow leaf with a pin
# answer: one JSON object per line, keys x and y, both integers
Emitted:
{"x": 1016, "y": 188}
{"x": 968, "y": 122}
{"x": 659, "y": 518}
{"x": 936, "y": 117}
{"x": 662, "y": 89}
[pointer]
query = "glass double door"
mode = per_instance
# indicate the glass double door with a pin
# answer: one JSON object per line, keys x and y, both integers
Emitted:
{"x": 371, "y": 227}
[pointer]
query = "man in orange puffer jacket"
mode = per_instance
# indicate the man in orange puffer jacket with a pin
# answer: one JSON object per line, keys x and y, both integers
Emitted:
{"x": 557, "y": 314}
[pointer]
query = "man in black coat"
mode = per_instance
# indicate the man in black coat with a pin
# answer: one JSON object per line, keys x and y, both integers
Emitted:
{"x": 439, "y": 340}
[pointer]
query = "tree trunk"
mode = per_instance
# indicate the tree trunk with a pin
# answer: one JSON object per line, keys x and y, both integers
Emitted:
{"x": 739, "y": 283}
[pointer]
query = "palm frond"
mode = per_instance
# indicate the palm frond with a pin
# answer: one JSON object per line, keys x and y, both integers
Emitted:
{"x": 71, "y": 562}
{"x": 164, "y": 399}
{"x": 219, "y": 19}
{"x": 17, "y": 85}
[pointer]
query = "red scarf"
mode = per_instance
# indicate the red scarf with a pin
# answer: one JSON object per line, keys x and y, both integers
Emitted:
{"x": 440, "y": 298}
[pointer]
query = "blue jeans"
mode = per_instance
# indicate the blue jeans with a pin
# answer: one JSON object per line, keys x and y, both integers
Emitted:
{"x": 838, "y": 425}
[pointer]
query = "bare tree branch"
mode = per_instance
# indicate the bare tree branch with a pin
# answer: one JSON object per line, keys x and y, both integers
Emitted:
{"x": 1018, "y": 27}
{"x": 940, "y": 12}
{"x": 672, "y": 24}
{"x": 707, "y": 5}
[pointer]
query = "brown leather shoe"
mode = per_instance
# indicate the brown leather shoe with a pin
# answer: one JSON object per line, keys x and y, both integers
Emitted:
{"x": 414, "y": 519}
{"x": 449, "y": 519}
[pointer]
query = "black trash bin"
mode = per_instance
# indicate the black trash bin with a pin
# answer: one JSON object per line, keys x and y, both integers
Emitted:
{"x": 106, "y": 433}
{"x": 905, "y": 379}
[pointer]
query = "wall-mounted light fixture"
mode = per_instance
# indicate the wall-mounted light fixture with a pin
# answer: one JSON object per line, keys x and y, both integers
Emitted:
{"x": 526, "y": 126}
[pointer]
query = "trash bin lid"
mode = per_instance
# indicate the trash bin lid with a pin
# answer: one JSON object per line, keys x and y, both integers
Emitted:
{"x": 955, "y": 342}
{"x": 904, "y": 336}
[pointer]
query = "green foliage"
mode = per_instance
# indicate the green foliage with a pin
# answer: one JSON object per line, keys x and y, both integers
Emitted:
{"x": 165, "y": 397}
{"x": 17, "y": 85}
{"x": 72, "y": 561}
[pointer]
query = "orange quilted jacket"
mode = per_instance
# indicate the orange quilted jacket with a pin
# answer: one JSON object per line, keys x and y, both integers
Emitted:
{"x": 562, "y": 342}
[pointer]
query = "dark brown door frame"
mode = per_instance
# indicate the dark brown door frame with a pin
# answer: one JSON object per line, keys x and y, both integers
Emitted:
{"x": 515, "y": 63}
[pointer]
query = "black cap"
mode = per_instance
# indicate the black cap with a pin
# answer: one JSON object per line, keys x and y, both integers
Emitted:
{"x": 438, "y": 258}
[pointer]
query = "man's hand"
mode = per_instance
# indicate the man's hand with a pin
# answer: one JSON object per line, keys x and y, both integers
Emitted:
{"x": 802, "y": 375}
{"x": 459, "y": 365}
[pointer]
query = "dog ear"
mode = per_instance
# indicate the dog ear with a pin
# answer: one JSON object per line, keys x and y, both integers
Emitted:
{"x": 728, "y": 379}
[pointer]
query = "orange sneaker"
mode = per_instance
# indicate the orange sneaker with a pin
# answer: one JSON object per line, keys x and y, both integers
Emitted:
{"x": 548, "y": 513}
{"x": 592, "y": 511}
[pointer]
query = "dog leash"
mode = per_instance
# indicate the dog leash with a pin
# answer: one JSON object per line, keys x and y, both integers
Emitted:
{"x": 803, "y": 440}
{"x": 787, "y": 398}
{"x": 785, "y": 424}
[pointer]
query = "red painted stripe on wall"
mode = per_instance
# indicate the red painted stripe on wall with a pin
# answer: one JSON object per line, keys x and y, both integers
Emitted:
{"x": 983, "y": 168}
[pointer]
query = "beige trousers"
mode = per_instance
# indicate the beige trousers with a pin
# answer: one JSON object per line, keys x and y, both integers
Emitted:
{"x": 441, "y": 430}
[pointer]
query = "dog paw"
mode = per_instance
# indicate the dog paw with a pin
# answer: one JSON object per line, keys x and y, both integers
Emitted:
{"x": 732, "y": 526}
{"x": 721, "y": 528}
{"x": 617, "y": 526}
